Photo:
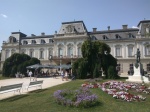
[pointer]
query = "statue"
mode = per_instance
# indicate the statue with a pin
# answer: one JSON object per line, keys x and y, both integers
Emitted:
{"x": 138, "y": 55}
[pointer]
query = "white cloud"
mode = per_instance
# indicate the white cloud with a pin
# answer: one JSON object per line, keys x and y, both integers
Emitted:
{"x": 4, "y": 16}
{"x": 134, "y": 27}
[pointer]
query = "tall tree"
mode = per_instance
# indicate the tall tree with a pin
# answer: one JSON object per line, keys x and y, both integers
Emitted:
{"x": 97, "y": 56}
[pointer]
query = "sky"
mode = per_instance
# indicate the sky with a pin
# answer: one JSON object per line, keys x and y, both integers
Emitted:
{"x": 37, "y": 16}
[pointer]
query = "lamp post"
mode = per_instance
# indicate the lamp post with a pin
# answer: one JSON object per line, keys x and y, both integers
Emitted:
{"x": 60, "y": 61}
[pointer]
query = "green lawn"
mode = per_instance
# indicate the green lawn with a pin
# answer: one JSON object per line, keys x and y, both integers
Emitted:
{"x": 43, "y": 101}
{"x": 1, "y": 77}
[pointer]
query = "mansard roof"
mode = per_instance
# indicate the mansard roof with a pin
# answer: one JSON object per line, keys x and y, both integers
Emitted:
{"x": 115, "y": 31}
{"x": 72, "y": 23}
{"x": 21, "y": 34}
{"x": 40, "y": 36}
{"x": 143, "y": 21}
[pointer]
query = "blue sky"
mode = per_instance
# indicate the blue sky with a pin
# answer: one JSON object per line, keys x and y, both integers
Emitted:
{"x": 36, "y": 16}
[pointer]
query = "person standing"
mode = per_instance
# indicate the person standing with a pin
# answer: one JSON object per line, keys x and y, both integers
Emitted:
{"x": 30, "y": 74}
{"x": 35, "y": 74}
{"x": 66, "y": 75}
{"x": 62, "y": 75}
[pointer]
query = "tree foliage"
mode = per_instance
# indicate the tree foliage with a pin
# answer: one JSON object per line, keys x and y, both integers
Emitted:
{"x": 17, "y": 63}
{"x": 96, "y": 57}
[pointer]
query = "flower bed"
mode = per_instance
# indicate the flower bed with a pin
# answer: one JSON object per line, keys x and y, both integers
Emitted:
{"x": 121, "y": 90}
{"x": 78, "y": 98}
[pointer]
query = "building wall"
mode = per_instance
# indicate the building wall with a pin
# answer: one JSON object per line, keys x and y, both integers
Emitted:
{"x": 74, "y": 34}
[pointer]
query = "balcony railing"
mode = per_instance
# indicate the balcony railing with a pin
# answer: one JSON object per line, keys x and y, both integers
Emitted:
{"x": 67, "y": 57}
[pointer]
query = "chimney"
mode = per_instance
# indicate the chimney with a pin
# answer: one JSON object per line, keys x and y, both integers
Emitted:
{"x": 108, "y": 27}
{"x": 94, "y": 29}
{"x": 124, "y": 27}
{"x": 32, "y": 35}
{"x": 42, "y": 33}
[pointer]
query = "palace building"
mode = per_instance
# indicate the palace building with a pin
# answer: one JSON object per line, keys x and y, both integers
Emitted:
{"x": 64, "y": 46}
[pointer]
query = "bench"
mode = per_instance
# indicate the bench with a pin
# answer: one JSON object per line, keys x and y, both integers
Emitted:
{"x": 9, "y": 88}
{"x": 35, "y": 84}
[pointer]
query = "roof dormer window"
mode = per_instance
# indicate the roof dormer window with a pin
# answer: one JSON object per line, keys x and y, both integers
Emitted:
{"x": 33, "y": 42}
{"x": 131, "y": 35}
{"x": 25, "y": 42}
{"x": 42, "y": 41}
{"x": 118, "y": 36}
{"x": 51, "y": 40}
{"x": 105, "y": 37}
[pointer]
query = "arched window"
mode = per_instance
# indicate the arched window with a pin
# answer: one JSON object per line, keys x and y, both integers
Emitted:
{"x": 118, "y": 51}
{"x": 70, "y": 49}
{"x": 7, "y": 54}
{"x": 147, "y": 50}
{"x": 60, "y": 51}
{"x": 41, "y": 53}
{"x": 12, "y": 51}
{"x": 79, "y": 51}
{"x": 148, "y": 67}
{"x": 12, "y": 39}
{"x": 130, "y": 50}
{"x": 50, "y": 52}
{"x": 31, "y": 53}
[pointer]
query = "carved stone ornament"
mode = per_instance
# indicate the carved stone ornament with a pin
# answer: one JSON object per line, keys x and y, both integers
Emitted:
{"x": 69, "y": 28}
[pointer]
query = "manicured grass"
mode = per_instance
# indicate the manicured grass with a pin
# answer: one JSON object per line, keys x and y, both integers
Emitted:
{"x": 43, "y": 101}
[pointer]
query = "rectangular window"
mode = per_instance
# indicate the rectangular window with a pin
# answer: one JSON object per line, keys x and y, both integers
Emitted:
{"x": 25, "y": 42}
{"x": 130, "y": 51}
{"x": 118, "y": 67}
{"x": 7, "y": 54}
{"x": 41, "y": 55}
{"x": 50, "y": 52}
{"x": 51, "y": 40}
{"x": 147, "y": 50}
{"x": 131, "y": 67}
{"x": 33, "y": 42}
{"x": 148, "y": 67}
{"x": 79, "y": 51}
{"x": 118, "y": 51}
{"x": 31, "y": 53}
{"x": 42, "y": 41}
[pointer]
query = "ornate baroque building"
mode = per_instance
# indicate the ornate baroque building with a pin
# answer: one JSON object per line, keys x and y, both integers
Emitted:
{"x": 65, "y": 46}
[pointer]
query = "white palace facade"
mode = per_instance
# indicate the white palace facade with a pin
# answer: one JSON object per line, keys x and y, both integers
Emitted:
{"x": 65, "y": 46}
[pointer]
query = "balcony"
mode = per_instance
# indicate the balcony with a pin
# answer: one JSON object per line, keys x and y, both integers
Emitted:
{"x": 67, "y": 57}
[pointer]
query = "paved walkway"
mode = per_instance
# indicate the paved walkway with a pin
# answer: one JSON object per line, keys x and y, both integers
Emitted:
{"x": 48, "y": 82}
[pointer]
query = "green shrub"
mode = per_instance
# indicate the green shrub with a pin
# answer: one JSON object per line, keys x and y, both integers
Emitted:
{"x": 17, "y": 63}
{"x": 112, "y": 74}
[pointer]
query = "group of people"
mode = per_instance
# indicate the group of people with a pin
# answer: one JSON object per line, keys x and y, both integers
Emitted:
{"x": 64, "y": 75}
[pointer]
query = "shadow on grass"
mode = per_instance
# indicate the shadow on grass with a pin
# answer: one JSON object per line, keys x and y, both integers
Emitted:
{"x": 38, "y": 91}
{"x": 123, "y": 78}
{"x": 14, "y": 98}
